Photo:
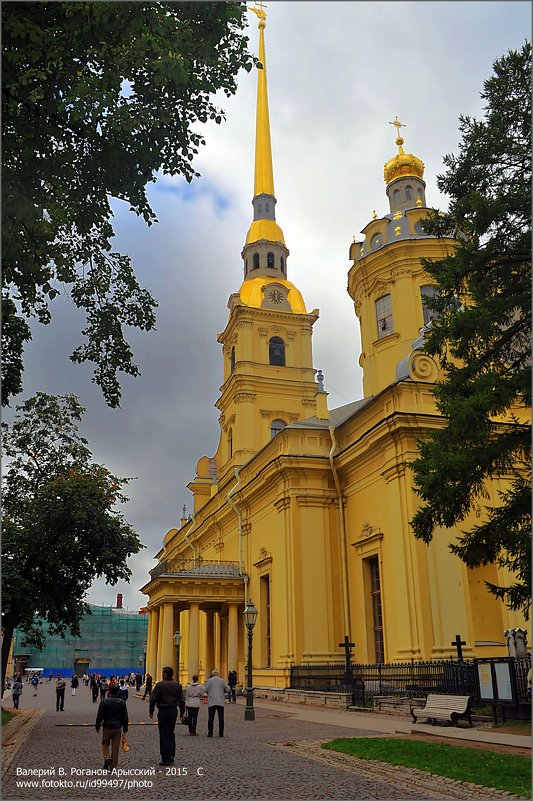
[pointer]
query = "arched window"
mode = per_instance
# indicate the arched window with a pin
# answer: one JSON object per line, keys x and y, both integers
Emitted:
{"x": 232, "y": 360}
{"x": 230, "y": 443}
{"x": 396, "y": 195}
{"x": 275, "y": 427}
{"x": 384, "y": 316}
{"x": 282, "y": 264}
{"x": 408, "y": 193}
{"x": 276, "y": 352}
{"x": 270, "y": 260}
{"x": 428, "y": 291}
{"x": 259, "y": 208}
{"x": 267, "y": 207}
{"x": 256, "y": 261}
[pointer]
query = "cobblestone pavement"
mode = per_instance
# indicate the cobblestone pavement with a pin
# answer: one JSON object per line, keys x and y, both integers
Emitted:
{"x": 274, "y": 757}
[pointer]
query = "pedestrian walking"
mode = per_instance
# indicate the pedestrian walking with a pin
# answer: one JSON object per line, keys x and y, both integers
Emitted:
{"x": 138, "y": 681}
{"x": 35, "y": 683}
{"x": 94, "y": 688}
{"x": 214, "y": 689}
{"x": 50, "y": 676}
{"x": 60, "y": 693}
{"x": 103, "y": 687}
{"x": 74, "y": 683}
{"x": 167, "y": 695}
{"x": 16, "y": 691}
{"x": 232, "y": 684}
{"x": 112, "y": 716}
{"x": 193, "y": 698}
{"x": 123, "y": 691}
{"x": 147, "y": 686}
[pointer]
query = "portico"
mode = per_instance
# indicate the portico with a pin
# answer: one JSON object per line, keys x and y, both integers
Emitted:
{"x": 204, "y": 603}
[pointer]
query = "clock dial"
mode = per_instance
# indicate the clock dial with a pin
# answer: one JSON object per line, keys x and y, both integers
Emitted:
{"x": 276, "y": 296}
{"x": 376, "y": 241}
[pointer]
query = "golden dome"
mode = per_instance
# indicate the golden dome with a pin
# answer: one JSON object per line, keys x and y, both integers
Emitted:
{"x": 264, "y": 229}
{"x": 251, "y": 293}
{"x": 403, "y": 165}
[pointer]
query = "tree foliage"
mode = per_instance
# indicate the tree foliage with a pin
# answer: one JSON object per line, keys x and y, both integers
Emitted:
{"x": 483, "y": 337}
{"x": 61, "y": 530}
{"x": 96, "y": 99}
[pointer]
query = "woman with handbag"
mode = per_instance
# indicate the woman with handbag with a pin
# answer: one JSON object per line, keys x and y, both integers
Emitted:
{"x": 193, "y": 698}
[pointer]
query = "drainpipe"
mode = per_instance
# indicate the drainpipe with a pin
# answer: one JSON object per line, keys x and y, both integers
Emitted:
{"x": 239, "y": 518}
{"x": 342, "y": 528}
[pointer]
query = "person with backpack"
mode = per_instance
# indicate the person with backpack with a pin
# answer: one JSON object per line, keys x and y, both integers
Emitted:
{"x": 123, "y": 691}
{"x": 35, "y": 683}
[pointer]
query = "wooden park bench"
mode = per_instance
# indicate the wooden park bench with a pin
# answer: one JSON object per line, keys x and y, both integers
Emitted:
{"x": 445, "y": 707}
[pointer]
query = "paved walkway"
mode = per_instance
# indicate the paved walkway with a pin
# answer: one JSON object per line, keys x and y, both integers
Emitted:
{"x": 54, "y": 755}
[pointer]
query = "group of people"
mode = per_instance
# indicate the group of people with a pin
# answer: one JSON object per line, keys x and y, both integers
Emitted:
{"x": 170, "y": 700}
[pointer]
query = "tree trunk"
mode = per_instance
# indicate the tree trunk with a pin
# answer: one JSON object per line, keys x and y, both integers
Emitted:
{"x": 7, "y": 639}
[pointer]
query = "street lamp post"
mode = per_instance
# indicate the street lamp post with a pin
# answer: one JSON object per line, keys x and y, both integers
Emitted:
{"x": 250, "y": 616}
{"x": 177, "y": 640}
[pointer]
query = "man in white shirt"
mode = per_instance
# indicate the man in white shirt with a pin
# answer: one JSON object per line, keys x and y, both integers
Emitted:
{"x": 215, "y": 689}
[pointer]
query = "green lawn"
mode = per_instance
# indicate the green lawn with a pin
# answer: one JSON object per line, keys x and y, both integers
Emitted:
{"x": 503, "y": 771}
{"x": 6, "y": 717}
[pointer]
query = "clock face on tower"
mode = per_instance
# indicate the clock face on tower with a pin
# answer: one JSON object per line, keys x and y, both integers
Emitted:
{"x": 275, "y": 296}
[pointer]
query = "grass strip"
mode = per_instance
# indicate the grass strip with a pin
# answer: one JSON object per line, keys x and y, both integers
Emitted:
{"x": 6, "y": 717}
{"x": 508, "y": 772}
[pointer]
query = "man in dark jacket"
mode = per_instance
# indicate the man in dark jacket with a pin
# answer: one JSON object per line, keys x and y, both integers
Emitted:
{"x": 167, "y": 695}
{"x": 113, "y": 716}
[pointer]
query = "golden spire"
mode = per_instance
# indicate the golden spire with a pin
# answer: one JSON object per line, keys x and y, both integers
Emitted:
{"x": 264, "y": 173}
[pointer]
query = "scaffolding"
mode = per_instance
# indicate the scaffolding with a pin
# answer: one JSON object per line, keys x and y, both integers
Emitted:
{"x": 112, "y": 642}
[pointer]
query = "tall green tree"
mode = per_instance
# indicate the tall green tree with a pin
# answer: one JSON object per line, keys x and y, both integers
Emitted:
{"x": 61, "y": 529}
{"x": 96, "y": 99}
{"x": 483, "y": 337}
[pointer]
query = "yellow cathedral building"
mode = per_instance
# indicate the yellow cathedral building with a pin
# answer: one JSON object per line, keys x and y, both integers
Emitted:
{"x": 306, "y": 510}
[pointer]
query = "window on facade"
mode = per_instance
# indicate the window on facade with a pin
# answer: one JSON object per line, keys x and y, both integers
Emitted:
{"x": 384, "y": 316}
{"x": 408, "y": 193}
{"x": 266, "y": 658}
{"x": 232, "y": 360}
{"x": 377, "y": 617}
{"x": 267, "y": 207}
{"x": 282, "y": 264}
{"x": 230, "y": 443}
{"x": 270, "y": 260}
{"x": 259, "y": 208}
{"x": 396, "y": 195}
{"x": 256, "y": 261}
{"x": 428, "y": 291}
{"x": 276, "y": 352}
{"x": 275, "y": 427}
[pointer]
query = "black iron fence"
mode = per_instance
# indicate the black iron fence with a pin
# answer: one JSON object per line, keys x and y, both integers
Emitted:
{"x": 406, "y": 679}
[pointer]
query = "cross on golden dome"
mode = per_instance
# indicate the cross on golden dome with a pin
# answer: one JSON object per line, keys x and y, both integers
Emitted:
{"x": 397, "y": 124}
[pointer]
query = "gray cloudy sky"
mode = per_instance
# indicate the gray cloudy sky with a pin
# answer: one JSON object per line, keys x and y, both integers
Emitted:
{"x": 337, "y": 73}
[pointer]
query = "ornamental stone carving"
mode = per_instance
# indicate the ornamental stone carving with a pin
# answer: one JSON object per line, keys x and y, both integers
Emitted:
{"x": 423, "y": 368}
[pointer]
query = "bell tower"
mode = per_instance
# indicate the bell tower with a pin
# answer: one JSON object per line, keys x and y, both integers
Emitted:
{"x": 387, "y": 281}
{"x": 269, "y": 379}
